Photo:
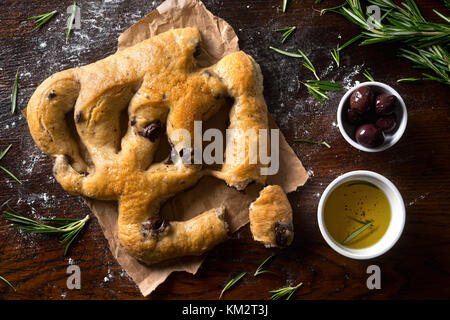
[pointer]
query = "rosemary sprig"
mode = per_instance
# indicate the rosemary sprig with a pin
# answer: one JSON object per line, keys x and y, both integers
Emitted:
{"x": 327, "y": 85}
{"x": 261, "y": 269}
{"x": 426, "y": 43}
{"x": 71, "y": 19}
{"x": 287, "y": 32}
{"x": 368, "y": 75}
{"x": 335, "y": 55}
{"x": 308, "y": 64}
{"x": 67, "y": 229}
{"x": 357, "y": 232}
{"x": 318, "y": 88}
{"x": 313, "y": 142}
{"x": 42, "y": 19}
{"x": 14, "y": 92}
{"x": 284, "y": 5}
{"x": 8, "y": 283}
{"x": 231, "y": 283}
{"x": 4, "y": 152}
{"x": 434, "y": 57}
{"x": 280, "y": 293}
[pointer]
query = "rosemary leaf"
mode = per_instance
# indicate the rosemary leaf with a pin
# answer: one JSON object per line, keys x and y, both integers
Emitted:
{"x": 260, "y": 269}
{"x": 10, "y": 174}
{"x": 349, "y": 42}
{"x": 308, "y": 64}
{"x": 315, "y": 93}
{"x": 68, "y": 232}
{"x": 368, "y": 75}
{"x": 71, "y": 20}
{"x": 408, "y": 80}
{"x": 287, "y": 32}
{"x": 284, "y": 5}
{"x": 8, "y": 283}
{"x": 42, "y": 19}
{"x": 5, "y": 151}
{"x": 313, "y": 142}
{"x": 286, "y": 53}
{"x": 231, "y": 283}
{"x": 357, "y": 232}
{"x": 280, "y": 293}
{"x": 334, "y": 9}
{"x": 335, "y": 55}
{"x": 14, "y": 92}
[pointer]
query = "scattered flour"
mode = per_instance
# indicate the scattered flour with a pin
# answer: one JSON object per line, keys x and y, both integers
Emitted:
{"x": 349, "y": 81}
{"x": 419, "y": 198}
{"x": 109, "y": 277}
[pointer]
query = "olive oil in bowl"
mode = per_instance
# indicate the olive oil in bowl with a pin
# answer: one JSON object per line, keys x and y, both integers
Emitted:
{"x": 357, "y": 214}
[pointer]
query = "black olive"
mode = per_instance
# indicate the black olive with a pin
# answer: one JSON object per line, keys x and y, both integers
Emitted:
{"x": 387, "y": 124}
{"x": 154, "y": 226}
{"x": 361, "y": 100}
{"x": 369, "y": 135}
{"x": 280, "y": 235}
{"x": 385, "y": 104}
{"x": 352, "y": 116}
{"x": 152, "y": 131}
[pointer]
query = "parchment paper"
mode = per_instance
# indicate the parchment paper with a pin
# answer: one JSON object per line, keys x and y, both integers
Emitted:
{"x": 218, "y": 40}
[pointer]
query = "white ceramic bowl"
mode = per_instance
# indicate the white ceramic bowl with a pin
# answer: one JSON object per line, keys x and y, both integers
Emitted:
{"x": 348, "y": 130}
{"x": 396, "y": 224}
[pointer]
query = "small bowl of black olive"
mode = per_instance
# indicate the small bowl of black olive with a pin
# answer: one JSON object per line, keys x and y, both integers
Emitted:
{"x": 372, "y": 116}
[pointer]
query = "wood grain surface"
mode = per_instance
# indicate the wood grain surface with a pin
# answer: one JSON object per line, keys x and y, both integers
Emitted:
{"x": 418, "y": 267}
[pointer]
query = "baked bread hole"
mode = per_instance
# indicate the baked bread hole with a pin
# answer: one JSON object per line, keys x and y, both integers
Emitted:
{"x": 70, "y": 121}
{"x": 164, "y": 148}
{"x": 221, "y": 121}
{"x": 123, "y": 124}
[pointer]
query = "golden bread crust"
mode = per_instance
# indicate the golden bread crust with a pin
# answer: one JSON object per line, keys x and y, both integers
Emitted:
{"x": 271, "y": 218}
{"x": 158, "y": 84}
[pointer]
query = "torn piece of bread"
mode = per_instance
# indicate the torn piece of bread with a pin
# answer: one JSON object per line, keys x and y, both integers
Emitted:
{"x": 271, "y": 218}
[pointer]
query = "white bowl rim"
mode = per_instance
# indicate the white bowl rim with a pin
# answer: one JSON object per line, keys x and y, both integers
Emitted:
{"x": 361, "y": 254}
{"x": 398, "y": 133}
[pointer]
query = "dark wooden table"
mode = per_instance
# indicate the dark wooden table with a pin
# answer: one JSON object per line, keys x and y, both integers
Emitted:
{"x": 418, "y": 267}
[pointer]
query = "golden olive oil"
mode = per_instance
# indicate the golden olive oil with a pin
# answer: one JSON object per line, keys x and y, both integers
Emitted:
{"x": 350, "y": 206}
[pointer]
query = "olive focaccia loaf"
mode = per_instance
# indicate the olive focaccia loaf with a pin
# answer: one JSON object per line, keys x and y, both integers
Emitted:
{"x": 75, "y": 116}
{"x": 271, "y": 218}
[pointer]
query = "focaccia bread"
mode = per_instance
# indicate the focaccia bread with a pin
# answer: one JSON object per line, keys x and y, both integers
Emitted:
{"x": 271, "y": 218}
{"x": 75, "y": 116}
